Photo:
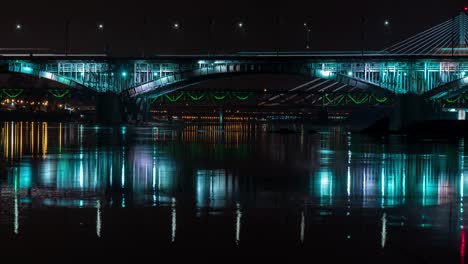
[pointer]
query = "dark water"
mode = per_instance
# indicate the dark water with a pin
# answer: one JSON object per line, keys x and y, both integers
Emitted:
{"x": 84, "y": 191}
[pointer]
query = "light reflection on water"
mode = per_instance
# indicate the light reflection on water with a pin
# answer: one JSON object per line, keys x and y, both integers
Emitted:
{"x": 237, "y": 168}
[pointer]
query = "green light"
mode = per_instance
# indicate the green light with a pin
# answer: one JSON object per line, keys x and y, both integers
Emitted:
{"x": 58, "y": 93}
{"x": 174, "y": 98}
{"x": 195, "y": 97}
{"x": 13, "y": 93}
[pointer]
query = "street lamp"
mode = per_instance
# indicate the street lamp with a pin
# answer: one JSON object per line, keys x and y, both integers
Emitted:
{"x": 100, "y": 26}
{"x": 18, "y": 26}
{"x": 387, "y": 23}
{"x": 240, "y": 24}
{"x": 176, "y": 25}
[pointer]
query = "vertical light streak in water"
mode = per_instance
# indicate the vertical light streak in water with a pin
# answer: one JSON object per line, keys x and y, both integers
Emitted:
{"x": 16, "y": 210}
{"x": 96, "y": 163}
{"x": 173, "y": 220}
{"x": 60, "y": 139}
{"x": 238, "y": 223}
{"x": 81, "y": 169}
{"x": 44, "y": 139}
{"x": 404, "y": 178}
{"x": 383, "y": 180}
{"x": 348, "y": 184}
{"x": 123, "y": 168}
{"x": 384, "y": 230}
{"x": 462, "y": 166}
{"x": 424, "y": 183}
{"x": 111, "y": 169}
{"x": 32, "y": 139}
{"x": 462, "y": 246}
{"x": 21, "y": 140}
{"x": 302, "y": 226}
{"x": 154, "y": 174}
{"x": 11, "y": 139}
{"x": 98, "y": 218}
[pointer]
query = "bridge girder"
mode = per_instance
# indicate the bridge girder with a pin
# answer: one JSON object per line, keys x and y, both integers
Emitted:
{"x": 398, "y": 75}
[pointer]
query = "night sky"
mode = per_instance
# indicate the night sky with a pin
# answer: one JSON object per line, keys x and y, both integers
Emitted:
{"x": 209, "y": 26}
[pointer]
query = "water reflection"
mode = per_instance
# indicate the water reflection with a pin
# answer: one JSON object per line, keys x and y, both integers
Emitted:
{"x": 218, "y": 169}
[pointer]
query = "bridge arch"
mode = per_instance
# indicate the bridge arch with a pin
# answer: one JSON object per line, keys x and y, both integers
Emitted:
{"x": 171, "y": 83}
{"x": 13, "y": 84}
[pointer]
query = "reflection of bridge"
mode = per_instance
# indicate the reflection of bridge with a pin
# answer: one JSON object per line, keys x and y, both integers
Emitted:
{"x": 431, "y": 64}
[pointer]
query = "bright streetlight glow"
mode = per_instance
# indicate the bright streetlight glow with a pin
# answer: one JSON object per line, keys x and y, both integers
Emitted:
{"x": 176, "y": 25}
{"x": 387, "y": 23}
{"x": 124, "y": 74}
{"x": 18, "y": 26}
{"x": 240, "y": 25}
{"x": 100, "y": 26}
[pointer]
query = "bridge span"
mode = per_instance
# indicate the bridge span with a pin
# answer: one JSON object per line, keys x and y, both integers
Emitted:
{"x": 431, "y": 66}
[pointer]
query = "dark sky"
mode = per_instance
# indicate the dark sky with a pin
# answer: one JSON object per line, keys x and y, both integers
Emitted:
{"x": 269, "y": 25}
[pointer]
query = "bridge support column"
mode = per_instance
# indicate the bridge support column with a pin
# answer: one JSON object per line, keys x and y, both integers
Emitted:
{"x": 136, "y": 110}
{"x": 410, "y": 109}
{"x": 108, "y": 109}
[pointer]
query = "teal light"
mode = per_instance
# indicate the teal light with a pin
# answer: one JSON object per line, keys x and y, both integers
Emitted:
{"x": 27, "y": 69}
{"x": 155, "y": 74}
{"x": 350, "y": 73}
{"x": 463, "y": 74}
{"x": 124, "y": 74}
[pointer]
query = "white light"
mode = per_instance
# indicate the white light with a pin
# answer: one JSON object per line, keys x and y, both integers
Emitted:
{"x": 240, "y": 24}
{"x": 325, "y": 73}
{"x": 350, "y": 73}
{"x": 453, "y": 110}
{"x": 386, "y": 23}
{"x": 176, "y": 25}
{"x": 18, "y": 26}
{"x": 201, "y": 62}
{"x": 384, "y": 230}
{"x": 101, "y": 26}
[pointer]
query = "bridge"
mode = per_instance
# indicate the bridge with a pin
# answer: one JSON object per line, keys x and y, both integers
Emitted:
{"x": 430, "y": 67}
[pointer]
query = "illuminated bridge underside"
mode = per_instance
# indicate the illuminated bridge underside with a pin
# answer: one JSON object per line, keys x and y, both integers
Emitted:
{"x": 50, "y": 76}
{"x": 449, "y": 90}
{"x": 324, "y": 84}
{"x": 154, "y": 77}
{"x": 180, "y": 80}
